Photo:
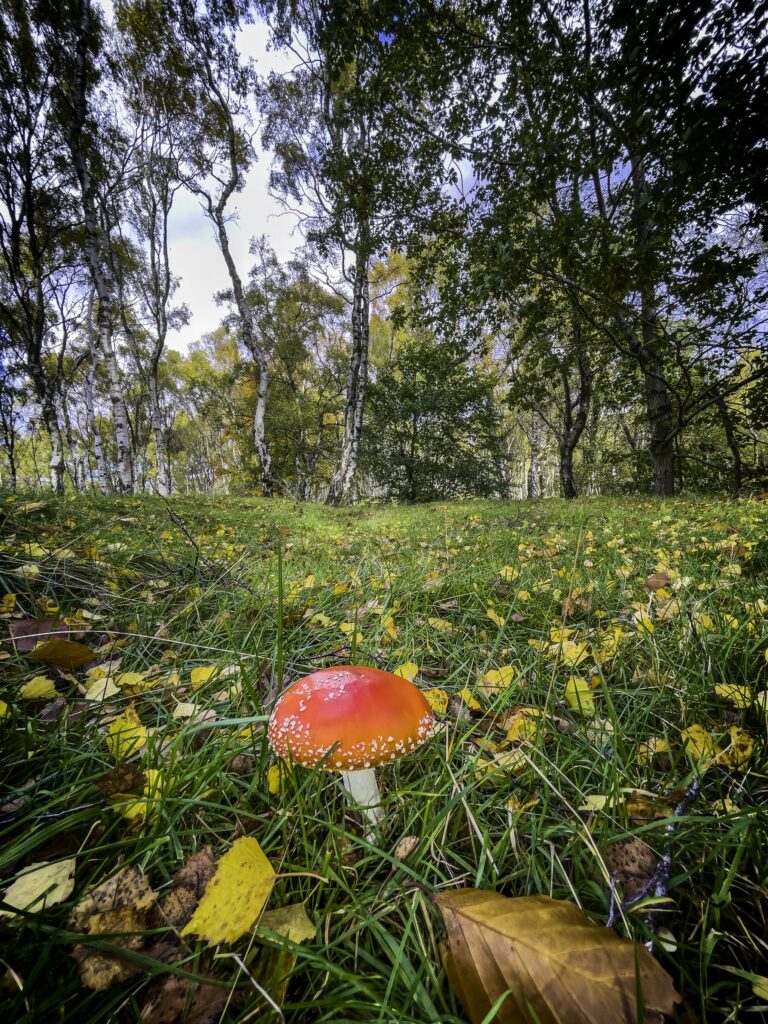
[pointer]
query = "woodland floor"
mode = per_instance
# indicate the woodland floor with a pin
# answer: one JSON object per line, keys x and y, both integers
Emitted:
{"x": 587, "y": 662}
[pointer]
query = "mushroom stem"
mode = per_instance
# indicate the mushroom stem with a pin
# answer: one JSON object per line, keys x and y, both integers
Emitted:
{"x": 363, "y": 790}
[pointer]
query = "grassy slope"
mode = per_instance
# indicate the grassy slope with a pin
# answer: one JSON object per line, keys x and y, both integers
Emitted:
{"x": 376, "y": 957}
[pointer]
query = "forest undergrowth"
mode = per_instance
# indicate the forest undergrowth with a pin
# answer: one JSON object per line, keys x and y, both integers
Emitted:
{"x": 598, "y": 672}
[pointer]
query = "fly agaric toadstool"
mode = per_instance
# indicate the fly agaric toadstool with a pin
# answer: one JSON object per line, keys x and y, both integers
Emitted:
{"x": 350, "y": 719}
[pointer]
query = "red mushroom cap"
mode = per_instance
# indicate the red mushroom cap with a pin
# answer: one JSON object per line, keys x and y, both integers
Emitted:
{"x": 368, "y": 716}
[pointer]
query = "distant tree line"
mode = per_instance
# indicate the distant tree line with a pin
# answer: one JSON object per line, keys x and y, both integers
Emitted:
{"x": 534, "y": 251}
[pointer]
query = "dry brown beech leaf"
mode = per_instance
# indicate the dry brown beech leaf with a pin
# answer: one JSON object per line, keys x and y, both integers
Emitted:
{"x": 556, "y": 965}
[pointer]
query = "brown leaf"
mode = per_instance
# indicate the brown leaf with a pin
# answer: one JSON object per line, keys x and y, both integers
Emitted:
{"x": 656, "y": 581}
{"x": 99, "y": 969}
{"x": 175, "y": 1000}
{"x": 554, "y": 964}
{"x": 128, "y": 888}
{"x": 633, "y": 862}
{"x": 198, "y": 870}
{"x": 26, "y": 633}
{"x": 178, "y": 906}
{"x": 63, "y": 653}
{"x": 125, "y": 778}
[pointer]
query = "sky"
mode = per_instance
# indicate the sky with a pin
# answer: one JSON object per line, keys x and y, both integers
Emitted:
{"x": 194, "y": 254}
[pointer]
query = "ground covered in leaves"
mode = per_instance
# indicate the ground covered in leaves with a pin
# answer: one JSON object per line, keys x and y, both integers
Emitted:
{"x": 590, "y": 666}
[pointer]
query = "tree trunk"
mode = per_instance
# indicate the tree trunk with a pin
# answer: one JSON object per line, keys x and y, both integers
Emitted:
{"x": 733, "y": 442}
{"x": 163, "y": 478}
{"x": 102, "y": 471}
{"x": 575, "y": 413}
{"x": 259, "y": 436}
{"x": 98, "y": 263}
{"x": 534, "y": 491}
{"x": 649, "y": 349}
{"x": 343, "y": 479}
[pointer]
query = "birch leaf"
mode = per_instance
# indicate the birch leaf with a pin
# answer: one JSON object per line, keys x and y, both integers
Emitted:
{"x": 41, "y": 885}
{"x": 542, "y": 960}
{"x": 126, "y": 735}
{"x": 235, "y": 896}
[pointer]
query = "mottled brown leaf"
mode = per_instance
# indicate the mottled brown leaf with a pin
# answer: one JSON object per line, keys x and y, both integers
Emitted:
{"x": 125, "y": 778}
{"x": 554, "y": 964}
{"x": 633, "y": 863}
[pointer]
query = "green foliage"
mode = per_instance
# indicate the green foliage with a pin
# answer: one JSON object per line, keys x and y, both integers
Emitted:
{"x": 433, "y": 424}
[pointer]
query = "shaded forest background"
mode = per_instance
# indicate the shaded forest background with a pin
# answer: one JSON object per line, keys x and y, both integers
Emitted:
{"x": 533, "y": 262}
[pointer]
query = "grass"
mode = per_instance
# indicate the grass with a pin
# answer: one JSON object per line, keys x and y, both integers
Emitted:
{"x": 262, "y": 589}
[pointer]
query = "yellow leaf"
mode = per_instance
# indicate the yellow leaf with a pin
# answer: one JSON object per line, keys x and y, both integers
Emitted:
{"x": 5, "y": 711}
{"x": 571, "y": 653}
{"x": 579, "y": 695}
{"x": 39, "y": 688}
{"x": 497, "y": 679}
{"x": 643, "y": 622}
{"x": 437, "y": 699}
{"x": 524, "y": 595}
{"x": 734, "y": 694}
{"x": 319, "y": 619}
{"x": 235, "y": 896}
{"x": 291, "y": 921}
{"x": 469, "y": 700}
{"x": 522, "y": 724}
{"x": 133, "y": 682}
{"x": 440, "y": 625}
{"x": 8, "y": 602}
{"x": 126, "y": 735}
{"x": 389, "y": 626}
{"x": 738, "y": 752}
{"x": 409, "y": 670}
{"x": 532, "y": 958}
{"x": 495, "y": 617}
{"x": 40, "y": 885}
{"x": 101, "y": 688}
{"x": 697, "y": 743}
{"x": 651, "y": 749}
{"x": 509, "y": 574}
{"x": 275, "y": 775}
{"x": 200, "y": 675}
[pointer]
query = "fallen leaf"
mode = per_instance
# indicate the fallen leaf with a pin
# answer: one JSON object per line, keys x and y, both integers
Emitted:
{"x": 737, "y": 695}
{"x": 39, "y": 688}
{"x": 291, "y": 921}
{"x": 738, "y": 752}
{"x": 437, "y": 698}
{"x": 657, "y": 580}
{"x": 697, "y": 743}
{"x": 125, "y": 778}
{"x": 200, "y": 675}
{"x": 633, "y": 863}
{"x": 579, "y": 695}
{"x": 40, "y": 885}
{"x": 124, "y": 927}
{"x": 174, "y": 1000}
{"x": 236, "y": 894}
{"x": 406, "y": 846}
{"x": 407, "y": 671}
{"x": 66, "y": 654}
{"x": 542, "y": 960}
{"x": 496, "y": 680}
{"x": 126, "y": 735}
{"x": 26, "y": 633}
